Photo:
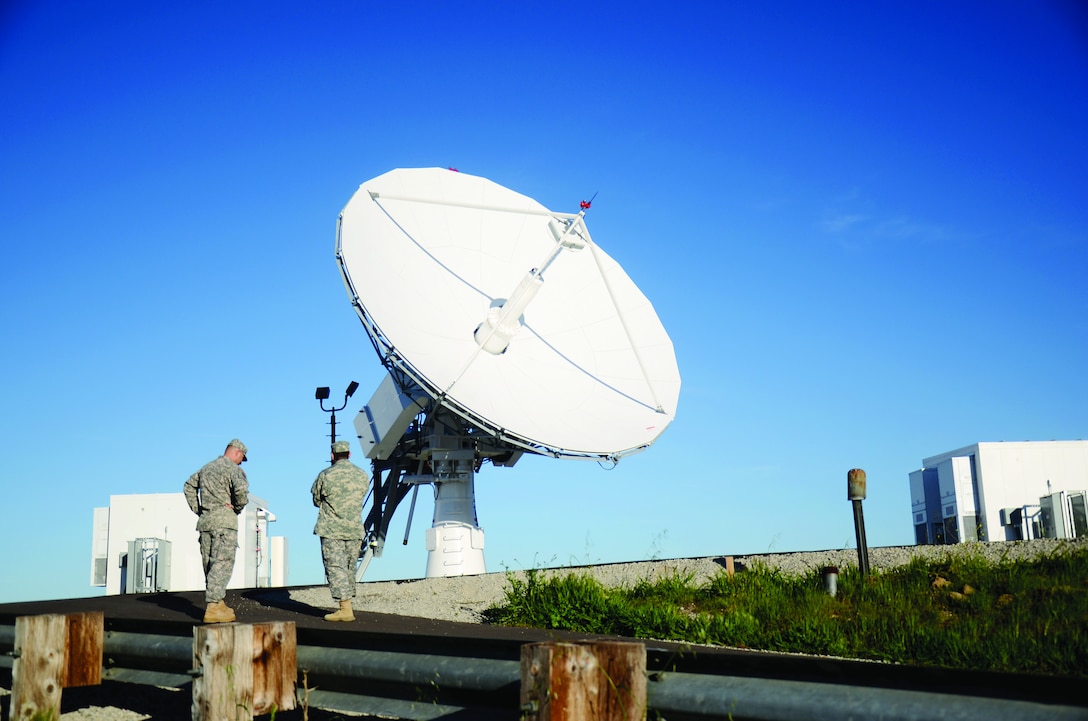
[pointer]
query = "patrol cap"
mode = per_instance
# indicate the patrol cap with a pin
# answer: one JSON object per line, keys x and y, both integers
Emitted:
{"x": 235, "y": 443}
{"x": 341, "y": 447}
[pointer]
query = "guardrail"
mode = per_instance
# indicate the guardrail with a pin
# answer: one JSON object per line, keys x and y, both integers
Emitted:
{"x": 427, "y": 686}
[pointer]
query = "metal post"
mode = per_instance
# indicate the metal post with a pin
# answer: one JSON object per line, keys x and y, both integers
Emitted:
{"x": 855, "y": 491}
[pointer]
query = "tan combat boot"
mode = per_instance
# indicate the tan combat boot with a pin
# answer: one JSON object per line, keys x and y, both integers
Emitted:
{"x": 218, "y": 612}
{"x": 344, "y": 614}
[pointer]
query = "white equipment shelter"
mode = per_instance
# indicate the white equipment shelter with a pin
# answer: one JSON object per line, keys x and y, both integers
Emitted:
{"x": 1002, "y": 491}
{"x": 148, "y": 543}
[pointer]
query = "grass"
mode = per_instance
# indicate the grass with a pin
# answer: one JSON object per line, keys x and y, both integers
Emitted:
{"x": 959, "y": 612}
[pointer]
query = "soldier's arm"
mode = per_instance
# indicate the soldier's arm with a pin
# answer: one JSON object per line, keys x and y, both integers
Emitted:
{"x": 240, "y": 487}
{"x": 192, "y": 493}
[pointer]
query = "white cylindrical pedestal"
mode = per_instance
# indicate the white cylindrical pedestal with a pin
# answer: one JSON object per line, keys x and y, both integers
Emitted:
{"x": 455, "y": 549}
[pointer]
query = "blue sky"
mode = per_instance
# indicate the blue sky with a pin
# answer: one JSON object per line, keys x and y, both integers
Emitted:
{"x": 863, "y": 225}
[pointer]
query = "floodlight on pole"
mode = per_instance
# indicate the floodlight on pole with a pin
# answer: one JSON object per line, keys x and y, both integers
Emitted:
{"x": 322, "y": 394}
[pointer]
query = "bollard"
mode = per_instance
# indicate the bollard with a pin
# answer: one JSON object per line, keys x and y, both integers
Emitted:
{"x": 855, "y": 491}
{"x": 831, "y": 580}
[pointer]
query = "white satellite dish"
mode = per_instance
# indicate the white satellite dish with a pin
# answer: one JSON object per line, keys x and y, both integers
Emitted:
{"x": 505, "y": 330}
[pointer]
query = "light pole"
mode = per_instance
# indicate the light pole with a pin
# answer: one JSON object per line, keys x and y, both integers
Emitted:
{"x": 322, "y": 394}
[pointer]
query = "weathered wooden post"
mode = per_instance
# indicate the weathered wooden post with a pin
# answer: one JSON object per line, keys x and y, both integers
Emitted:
{"x": 275, "y": 666}
{"x": 53, "y": 651}
{"x": 86, "y": 639}
{"x": 592, "y": 681}
{"x": 37, "y": 675}
{"x": 243, "y": 670}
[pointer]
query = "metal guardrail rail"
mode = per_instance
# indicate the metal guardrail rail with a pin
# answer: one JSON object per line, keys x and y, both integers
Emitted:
{"x": 425, "y": 686}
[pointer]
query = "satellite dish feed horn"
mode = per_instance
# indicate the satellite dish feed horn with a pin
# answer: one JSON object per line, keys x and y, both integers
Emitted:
{"x": 497, "y": 330}
{"x": 504, "y": 320}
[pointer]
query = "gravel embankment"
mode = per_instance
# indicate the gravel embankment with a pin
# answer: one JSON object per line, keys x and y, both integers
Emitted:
{"x": 464, "y": 598}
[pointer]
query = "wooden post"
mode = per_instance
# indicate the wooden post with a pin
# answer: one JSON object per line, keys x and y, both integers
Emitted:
{"x": 275, "y": 667}
{"x": 223, "y": 689}
{"x": 592, "y": 681}
{"x": 86, "y": 635}
{"x": 39, "y": 671}
{"x": 54, "y": 652}
{"x": 244, "y": 670}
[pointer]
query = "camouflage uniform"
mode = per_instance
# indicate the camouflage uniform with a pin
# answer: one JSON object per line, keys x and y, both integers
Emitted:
{"x": 338, "y": 493}
{"x": 217, "y": 493}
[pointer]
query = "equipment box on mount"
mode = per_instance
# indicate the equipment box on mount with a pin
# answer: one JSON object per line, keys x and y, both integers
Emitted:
{"x": 383, "y": 420}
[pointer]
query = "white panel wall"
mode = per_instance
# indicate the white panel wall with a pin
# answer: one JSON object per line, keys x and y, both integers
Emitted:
{"x": 964, "y": 478}
{"x": 167, "y": 516}
{"x": 946, "y": 481}
{"x": 1015, "y": 474}
{"x": 100, "y": 544}
{"x": 154, "y": 515}
{"x": 1008, "y": 475}
{"x": 917, "y": 498}
{"x": 278, "y": 571}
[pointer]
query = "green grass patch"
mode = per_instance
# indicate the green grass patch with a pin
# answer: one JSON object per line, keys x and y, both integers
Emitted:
{"x": 960, "y": 612}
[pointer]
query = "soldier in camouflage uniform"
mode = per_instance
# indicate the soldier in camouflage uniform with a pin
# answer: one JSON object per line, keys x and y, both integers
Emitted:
{"x": 217, "y": 493}
{"x": 338, "y": 494}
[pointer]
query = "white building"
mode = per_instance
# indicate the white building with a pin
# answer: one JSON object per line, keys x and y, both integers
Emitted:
{"x": 145, "y": 543}
{"x": 1003, "y": 491}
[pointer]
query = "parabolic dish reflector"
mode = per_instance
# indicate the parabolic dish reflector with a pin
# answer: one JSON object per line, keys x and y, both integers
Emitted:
{"x": 587, "y": 369}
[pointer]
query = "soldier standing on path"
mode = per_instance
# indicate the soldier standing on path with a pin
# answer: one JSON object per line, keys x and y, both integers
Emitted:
{"x": 217, "y": 493}
{"x": 338, "y": 494}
